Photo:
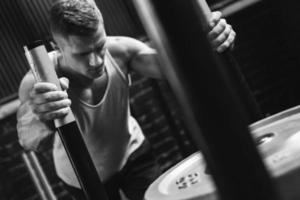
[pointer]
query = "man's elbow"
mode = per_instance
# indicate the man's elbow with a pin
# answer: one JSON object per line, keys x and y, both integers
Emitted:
{"x": 28, "y": 145}
{"x": 34, "y": 135}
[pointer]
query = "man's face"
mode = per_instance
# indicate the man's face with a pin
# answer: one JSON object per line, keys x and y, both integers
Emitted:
{"x": 84, "y": 55}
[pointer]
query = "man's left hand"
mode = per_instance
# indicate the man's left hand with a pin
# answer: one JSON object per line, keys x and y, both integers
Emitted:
{"x": 221, "y": 35}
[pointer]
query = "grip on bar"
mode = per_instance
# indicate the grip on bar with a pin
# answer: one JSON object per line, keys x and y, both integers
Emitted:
{"x": 44, "y": 70}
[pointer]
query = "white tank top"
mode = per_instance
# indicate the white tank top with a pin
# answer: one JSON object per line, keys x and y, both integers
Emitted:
{"x": 109, "y": 131}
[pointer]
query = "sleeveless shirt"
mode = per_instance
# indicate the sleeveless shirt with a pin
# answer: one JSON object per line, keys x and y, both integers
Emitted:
{"x": 109, "y": 131}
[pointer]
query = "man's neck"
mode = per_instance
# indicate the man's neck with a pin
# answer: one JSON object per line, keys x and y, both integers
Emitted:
{"x": 94, "y": 93}
{"x": 90, "y": 91}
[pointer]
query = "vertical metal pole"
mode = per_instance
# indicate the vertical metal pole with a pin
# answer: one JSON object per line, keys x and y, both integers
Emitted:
{"x": 249, "y": 106}
{"x": 67, "y": 128}
{"x": 213, "y": 111}
{"x": 38, "y": 176}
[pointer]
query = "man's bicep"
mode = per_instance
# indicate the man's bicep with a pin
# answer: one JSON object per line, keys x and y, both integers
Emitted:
{"x": 146, "y": 64}
{"x": 141, "y": 57}
{"x": 145, "y": 61}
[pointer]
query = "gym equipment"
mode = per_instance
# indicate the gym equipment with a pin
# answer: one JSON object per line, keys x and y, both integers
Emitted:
{"x": 277, "y": 138}
{"x": 38, "y": 176}
{"x": 43, "y": 70}
{"x": 214, "y": 111}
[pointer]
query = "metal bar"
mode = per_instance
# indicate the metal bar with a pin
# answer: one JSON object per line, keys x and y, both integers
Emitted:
{"x": 67, "y": 128}
{"x": 213, "y": 111}
{"x": 38, "y": 176}
{"x": 234, "y": 75}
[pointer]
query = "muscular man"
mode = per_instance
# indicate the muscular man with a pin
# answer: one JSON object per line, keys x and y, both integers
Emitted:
{"x": 94, "y": 71}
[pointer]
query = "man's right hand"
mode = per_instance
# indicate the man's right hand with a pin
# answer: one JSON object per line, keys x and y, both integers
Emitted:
{"x": 48, "y": 102}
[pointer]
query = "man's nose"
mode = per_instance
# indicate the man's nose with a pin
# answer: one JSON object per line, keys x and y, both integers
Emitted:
{"x": 95, "y": 60}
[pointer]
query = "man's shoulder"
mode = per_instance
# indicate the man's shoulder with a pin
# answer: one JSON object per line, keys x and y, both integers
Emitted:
{"x": 122, "y": 43}
{"x": 123, "y": 40}
{"x": 118, "y": 43}
{"x": 119, "y": 47}
{"x": 126, "y": 46}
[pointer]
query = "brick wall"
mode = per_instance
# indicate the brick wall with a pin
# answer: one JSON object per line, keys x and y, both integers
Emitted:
{"x": 155, "y": 108}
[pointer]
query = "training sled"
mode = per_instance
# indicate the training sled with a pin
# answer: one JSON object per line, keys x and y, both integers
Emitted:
{"x": 278, "y": 141}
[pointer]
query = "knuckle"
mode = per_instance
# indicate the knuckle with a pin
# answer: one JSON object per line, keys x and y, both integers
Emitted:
{"x": 66, "y": 110}
{"x": 59, "y": 104}
{"x": 223, "y": 22}
{"x": 219, "y": 40}
{"x": 214, "y": 33}
{"x": 226, "y": 32}
{"x": 52, "y": 87}
{"x": 61, "y": 95}
{"x": 52, "y": 115}
{"x": 64, "y": 94}
{"x": 52, "y": 105}
{"x": 55, "y": 95}
{"x": 66, "y": 103}
{"x": 228, "y": 28}
{"x": 232, "y": 37}
{"x": 48, "y": 96}
{"x": 233, "y": 33}
{"x": 226, "y": 44}
{"x": 61, "y": 112}
{"x": 216, "y": 15}
{"x": 58, "y": 95}
{"x": 49, "y": 116}
{"x": 69, "y": 102}
{"x": 220, "y": 49}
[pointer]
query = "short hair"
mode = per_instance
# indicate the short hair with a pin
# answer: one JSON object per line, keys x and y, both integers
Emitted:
{"x": 75, "y": 17}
